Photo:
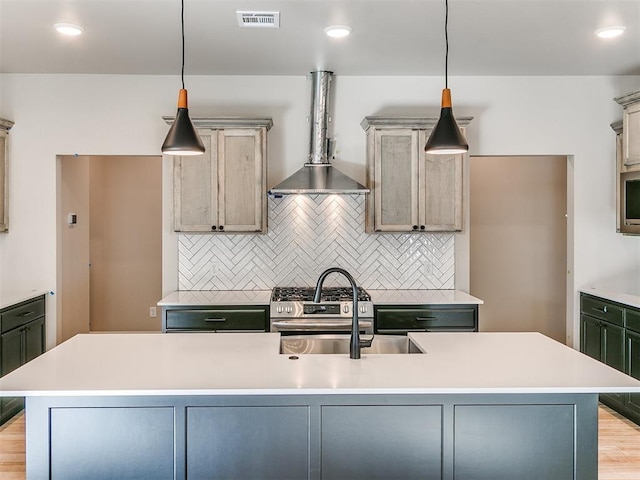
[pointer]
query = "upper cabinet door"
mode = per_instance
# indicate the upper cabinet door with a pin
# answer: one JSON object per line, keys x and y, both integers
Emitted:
{"x": 395, "y": 188}
{"x": 241, "y": 194}
{"x": 440, "y": 191}
{"x": 195, "y": 183}
{"x": 4, "y": 186}
{"x": 5, "y": 126}
{"x": 631, "y": 129}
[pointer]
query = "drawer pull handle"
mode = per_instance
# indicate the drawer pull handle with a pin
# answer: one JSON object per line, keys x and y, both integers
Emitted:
{"x": 215, "y": 319}
{"x": 425, "y": 319}
{"x": 26, "y": 314}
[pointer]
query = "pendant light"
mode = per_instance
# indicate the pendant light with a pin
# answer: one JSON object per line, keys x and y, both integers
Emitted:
{"x": 182, "y": 138}
{"x": 446, "y": 137}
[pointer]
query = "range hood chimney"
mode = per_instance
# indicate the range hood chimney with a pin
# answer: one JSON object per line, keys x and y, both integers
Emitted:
{"x": 318, "y": 176}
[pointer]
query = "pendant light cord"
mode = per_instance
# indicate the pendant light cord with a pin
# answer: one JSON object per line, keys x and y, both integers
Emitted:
{"x": 182, "y": 25}
{"x": 446, "y": 42}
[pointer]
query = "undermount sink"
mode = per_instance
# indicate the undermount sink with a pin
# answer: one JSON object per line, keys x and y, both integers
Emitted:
{"x": 339, "y": 344}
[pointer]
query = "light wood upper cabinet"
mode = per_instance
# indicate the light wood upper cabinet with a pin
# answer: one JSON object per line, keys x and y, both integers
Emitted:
{"x": 631, "y": 131}
{"x": 410, "y": 190}
{"x": 617, "y": 127}
{"x": 5, "y": 126}
{"x": 224, "y": 190}
{"x": 395, "y": 184}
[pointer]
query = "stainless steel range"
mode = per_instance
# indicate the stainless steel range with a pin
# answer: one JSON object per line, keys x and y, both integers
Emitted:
{"x": 293, "y": 311}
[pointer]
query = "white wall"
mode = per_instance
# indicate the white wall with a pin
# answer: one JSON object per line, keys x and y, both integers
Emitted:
{"x": 121, "y": 115}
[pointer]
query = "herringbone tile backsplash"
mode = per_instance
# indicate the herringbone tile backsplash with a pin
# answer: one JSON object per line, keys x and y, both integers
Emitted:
{"x": 307, "y": 234}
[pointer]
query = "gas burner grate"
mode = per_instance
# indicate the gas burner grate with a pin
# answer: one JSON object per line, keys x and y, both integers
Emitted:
{"x": 305, "y": 294}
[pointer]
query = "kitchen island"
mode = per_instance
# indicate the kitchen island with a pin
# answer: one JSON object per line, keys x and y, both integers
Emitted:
{"x": 471, "y": 405}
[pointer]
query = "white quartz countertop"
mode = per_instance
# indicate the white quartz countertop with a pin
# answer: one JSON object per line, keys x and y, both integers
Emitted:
{"x": 624, "y": 296}
{"x": 263, "y": 297}
{"x": 422, "y": 297}
{"x": 216, "y": 297}
{"x": 250, "y": 364}
{"x": 8, "y": 299}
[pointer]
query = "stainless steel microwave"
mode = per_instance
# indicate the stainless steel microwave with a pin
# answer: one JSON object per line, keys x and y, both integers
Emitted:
{"x": 630, "y": 202}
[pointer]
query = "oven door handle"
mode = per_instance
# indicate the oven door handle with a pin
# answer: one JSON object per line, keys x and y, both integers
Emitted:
{"x": 286, "y": 324}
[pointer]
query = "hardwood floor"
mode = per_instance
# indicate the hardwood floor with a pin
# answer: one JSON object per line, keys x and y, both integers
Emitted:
{"x": 618, "y": 447}
{"x": 12, "y": 449}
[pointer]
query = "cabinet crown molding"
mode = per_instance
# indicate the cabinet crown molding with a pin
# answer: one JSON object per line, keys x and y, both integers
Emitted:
{"x": 227, "y": 122}
{"x": 628, "y": 99}
{"x": 617, "y": 126}
{"x": 5, "y": 124}
{"x": 407, "y": 122}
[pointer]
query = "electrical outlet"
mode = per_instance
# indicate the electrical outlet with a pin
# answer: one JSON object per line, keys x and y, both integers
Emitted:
{"x": 152, "y": 312}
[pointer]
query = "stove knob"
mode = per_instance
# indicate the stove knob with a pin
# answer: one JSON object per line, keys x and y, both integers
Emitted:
{"x": 363, "y": 309}
{"x": 289, "y": 309}
{"x": 345, "y": 308}
{"x": 279, "y": 309}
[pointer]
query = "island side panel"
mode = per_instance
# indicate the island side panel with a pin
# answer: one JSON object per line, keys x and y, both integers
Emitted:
{"x": 323, "y": 418}
{"x": 364, "y": 442}
{"x": 505, "y": 453}
{"x": 248, "y": 442}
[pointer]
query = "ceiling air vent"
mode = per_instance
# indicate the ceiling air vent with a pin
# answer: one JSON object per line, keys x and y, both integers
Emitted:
{"x": 259, "y": 19}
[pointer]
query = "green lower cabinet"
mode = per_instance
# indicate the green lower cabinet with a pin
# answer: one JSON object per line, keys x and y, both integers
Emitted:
{"x": 610, "y": 333}
{"x": 216, "y": 318}
{"x": 633, "y": 368}
{"x": 604, "y": 342}
{"x": 18, "y": 346}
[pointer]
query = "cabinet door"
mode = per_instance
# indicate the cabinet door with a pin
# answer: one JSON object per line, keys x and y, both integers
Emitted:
{"x": 395, "y": 188}
{"x": 241, "y": 192}
{"x": 613, "y": 354}
{"x": 34, "y": 339}
{"x": 195, "y": 189}
{"x": 631, "y": 133}
{"x": 613, "y": 346}
{"x": 4, "y": 185}
{"x": 633, "y": 368}
{"x": 591, "y": 339}
{"x": 11, "y": 358}
{"x": 440, "y": 191}
{"x": 11, "y": 347}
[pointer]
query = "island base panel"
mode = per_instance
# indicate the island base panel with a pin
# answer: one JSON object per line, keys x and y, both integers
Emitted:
{"x": 501, "y": 436}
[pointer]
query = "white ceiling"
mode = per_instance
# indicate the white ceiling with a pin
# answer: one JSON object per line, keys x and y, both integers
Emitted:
{"x": 390, "y": 37}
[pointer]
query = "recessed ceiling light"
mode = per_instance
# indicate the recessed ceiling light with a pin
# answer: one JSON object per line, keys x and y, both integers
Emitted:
{"x": 68, "y": 29}
{"x": 338, "y": 31}
{"x": 610, "y": 32}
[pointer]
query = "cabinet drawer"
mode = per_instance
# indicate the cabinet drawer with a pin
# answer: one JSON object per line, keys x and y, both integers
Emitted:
{"x": 21, "y": 314}
{"x": 389, "y": 320}
{"x": 601, "y": 309}
{"x": 218, "y": 319}
{"x": 633, "y": 320}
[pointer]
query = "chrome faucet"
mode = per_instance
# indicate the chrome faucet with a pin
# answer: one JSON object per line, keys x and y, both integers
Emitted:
{"x": 356, "y": 344}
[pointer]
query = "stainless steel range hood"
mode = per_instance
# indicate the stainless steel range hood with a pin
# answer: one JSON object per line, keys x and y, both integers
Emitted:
{"x": 318, "y": 176}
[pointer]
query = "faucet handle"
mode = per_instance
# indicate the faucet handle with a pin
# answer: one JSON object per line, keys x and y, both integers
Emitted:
{"x": 366, "y": 342}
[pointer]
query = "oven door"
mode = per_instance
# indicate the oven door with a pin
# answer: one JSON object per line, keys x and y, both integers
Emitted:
{"x": 318, "y": 325}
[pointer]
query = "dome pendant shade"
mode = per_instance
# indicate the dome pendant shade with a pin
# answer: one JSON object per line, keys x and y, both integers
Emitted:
{"x": 446, "y": 137}
{"x": 182, "y": 139}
